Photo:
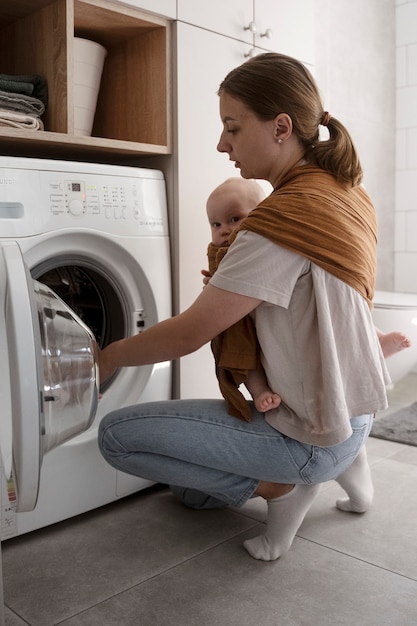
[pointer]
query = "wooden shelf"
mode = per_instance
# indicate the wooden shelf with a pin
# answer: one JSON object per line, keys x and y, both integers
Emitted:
{"x": 14, "y": 142}
{"x": 133, "y": 114}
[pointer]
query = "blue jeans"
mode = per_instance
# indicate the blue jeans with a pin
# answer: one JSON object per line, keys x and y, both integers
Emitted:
{"x": 196, "y": 444}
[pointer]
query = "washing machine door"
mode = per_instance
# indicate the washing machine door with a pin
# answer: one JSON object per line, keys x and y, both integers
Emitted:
{"x": 52, "y": 372}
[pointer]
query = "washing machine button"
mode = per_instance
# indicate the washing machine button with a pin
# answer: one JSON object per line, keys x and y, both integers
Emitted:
{"x": 76, "y": 207}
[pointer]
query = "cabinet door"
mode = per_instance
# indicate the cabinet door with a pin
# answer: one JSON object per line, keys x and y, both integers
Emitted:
{"x": 166, "y": 8}
{"x": 228, "y": 17}
{"x": 203, "y": 60}
{"x": 289, "y": 25}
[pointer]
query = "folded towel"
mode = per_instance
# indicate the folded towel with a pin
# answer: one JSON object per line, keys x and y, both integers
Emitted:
{"x": 20, "y": 120}
{"x": 32, "y": 85}
{"x": 21, "y": 103}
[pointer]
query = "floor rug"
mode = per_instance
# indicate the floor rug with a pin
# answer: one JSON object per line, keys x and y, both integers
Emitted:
{"x": 400, "y": 426}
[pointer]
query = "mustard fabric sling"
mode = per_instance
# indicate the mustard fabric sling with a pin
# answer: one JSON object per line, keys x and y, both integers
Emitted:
{"x": 332, "y": 224}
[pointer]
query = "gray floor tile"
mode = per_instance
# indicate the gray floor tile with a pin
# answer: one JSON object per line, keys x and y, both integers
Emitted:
{"x": 381, "y": 449}
{"x": 11, "y": 619}
{"x": 86, "y": 560}
{"x": 386, "y": 535}
{"x": 225, "y": 587}
{"x": 407, "y": 454}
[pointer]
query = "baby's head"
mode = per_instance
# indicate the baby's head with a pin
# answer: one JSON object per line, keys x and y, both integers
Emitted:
{"x": 228, "y": 204}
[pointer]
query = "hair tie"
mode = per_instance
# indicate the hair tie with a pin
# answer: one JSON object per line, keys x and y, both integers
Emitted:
{"x": 325, "y": 119}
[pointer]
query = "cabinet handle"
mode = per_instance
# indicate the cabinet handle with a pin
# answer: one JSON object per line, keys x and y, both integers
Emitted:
{"x": 249, "y": 55}
{"x": 251, "y": 28}
{"x": 268, "y": 33}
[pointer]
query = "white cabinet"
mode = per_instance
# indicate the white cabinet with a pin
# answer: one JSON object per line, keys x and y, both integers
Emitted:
{"x": 203, "y": 60}
{"x": 210, "y": 42}
{"x": 290, "y": 24}
{"x": 285, "y": 26}
{"x": 227, "y": 17}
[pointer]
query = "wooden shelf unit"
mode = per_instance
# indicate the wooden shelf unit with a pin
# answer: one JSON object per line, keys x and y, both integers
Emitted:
{"x": 133, "y": 114}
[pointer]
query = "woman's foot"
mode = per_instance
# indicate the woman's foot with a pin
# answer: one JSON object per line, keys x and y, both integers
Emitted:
{"x": 357, "y": 482}
{"x": 285, "y": 515}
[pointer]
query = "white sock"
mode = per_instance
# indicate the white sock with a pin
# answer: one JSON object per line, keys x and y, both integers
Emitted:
{"x": 285, "y": 515}
{"x": 357, "y": 482}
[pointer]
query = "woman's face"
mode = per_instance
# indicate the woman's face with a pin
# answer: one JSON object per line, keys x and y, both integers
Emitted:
{"x": 248, "y": 141}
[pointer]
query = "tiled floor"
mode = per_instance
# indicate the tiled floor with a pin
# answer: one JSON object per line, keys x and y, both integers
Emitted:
{"x": 148, "y": 561}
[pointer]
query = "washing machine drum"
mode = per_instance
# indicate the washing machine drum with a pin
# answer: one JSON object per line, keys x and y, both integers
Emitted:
{"x": 70, "y": 372}
{"x": 89, "y": 292}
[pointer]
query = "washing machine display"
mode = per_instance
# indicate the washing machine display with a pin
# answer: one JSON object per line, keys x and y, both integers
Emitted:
{"x": 95, "y": 239}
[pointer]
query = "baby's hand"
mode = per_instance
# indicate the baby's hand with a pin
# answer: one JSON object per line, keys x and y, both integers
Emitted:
{"x": 267, "y": 401}
{"x": 207, "y": 277}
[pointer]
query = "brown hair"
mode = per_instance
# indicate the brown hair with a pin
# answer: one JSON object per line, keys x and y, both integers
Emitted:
{"x": 273, "y": 83}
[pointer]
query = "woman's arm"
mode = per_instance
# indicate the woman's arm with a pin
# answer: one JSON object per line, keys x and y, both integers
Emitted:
{"x": 212, "y": 312}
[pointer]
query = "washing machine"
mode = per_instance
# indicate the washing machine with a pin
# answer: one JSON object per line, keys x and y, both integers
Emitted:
{"x": 84, "y": 261}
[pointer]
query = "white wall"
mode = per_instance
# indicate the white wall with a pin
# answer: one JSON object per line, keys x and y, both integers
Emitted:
{"x": 355, "y": 70}
{"x": 405, "y": 255}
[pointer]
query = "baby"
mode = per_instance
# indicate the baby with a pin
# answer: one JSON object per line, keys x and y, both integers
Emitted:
{"x": 227, "y": 205}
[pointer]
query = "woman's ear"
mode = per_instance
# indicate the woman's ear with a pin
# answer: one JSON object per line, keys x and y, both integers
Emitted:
{"x": 283, "y": 127}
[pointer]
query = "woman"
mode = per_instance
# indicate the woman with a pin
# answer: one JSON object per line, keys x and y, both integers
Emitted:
{"x": 303, "y": 265}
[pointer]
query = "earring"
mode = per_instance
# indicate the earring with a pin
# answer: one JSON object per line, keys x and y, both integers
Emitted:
{"x": 279, "y": 140}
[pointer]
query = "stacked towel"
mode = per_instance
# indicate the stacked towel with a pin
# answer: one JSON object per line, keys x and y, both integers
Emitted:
{"x": 23, "y": 100}
{"x": 20, "y": 120}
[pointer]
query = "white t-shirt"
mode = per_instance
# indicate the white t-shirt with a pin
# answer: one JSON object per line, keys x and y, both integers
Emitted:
{"x": 320, "y": 350}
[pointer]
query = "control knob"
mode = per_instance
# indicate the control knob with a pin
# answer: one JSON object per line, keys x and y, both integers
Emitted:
{"x": 76, "y": 207}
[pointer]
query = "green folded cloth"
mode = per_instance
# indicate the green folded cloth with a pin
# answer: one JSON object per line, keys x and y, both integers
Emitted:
{"x": 30, "y": 85}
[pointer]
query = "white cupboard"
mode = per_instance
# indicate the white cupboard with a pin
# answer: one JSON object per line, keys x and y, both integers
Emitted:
{"x": 211, "y": 40}
{"x": 229, "y": 18}
{"x": 203, "y": 60}
{"x": 286, "y": 26}
{"x": 279, "y": 25}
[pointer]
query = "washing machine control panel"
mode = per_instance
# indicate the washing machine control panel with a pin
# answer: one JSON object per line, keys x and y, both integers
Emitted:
{"x": 122, "y": 203}
{"x": 121, "y": 200}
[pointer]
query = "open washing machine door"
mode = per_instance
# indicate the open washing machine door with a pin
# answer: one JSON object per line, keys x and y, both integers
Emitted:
{"x": 50, "y": 369}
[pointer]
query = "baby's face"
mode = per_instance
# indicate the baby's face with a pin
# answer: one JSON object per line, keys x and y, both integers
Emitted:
{"x": 223, "y": 217}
